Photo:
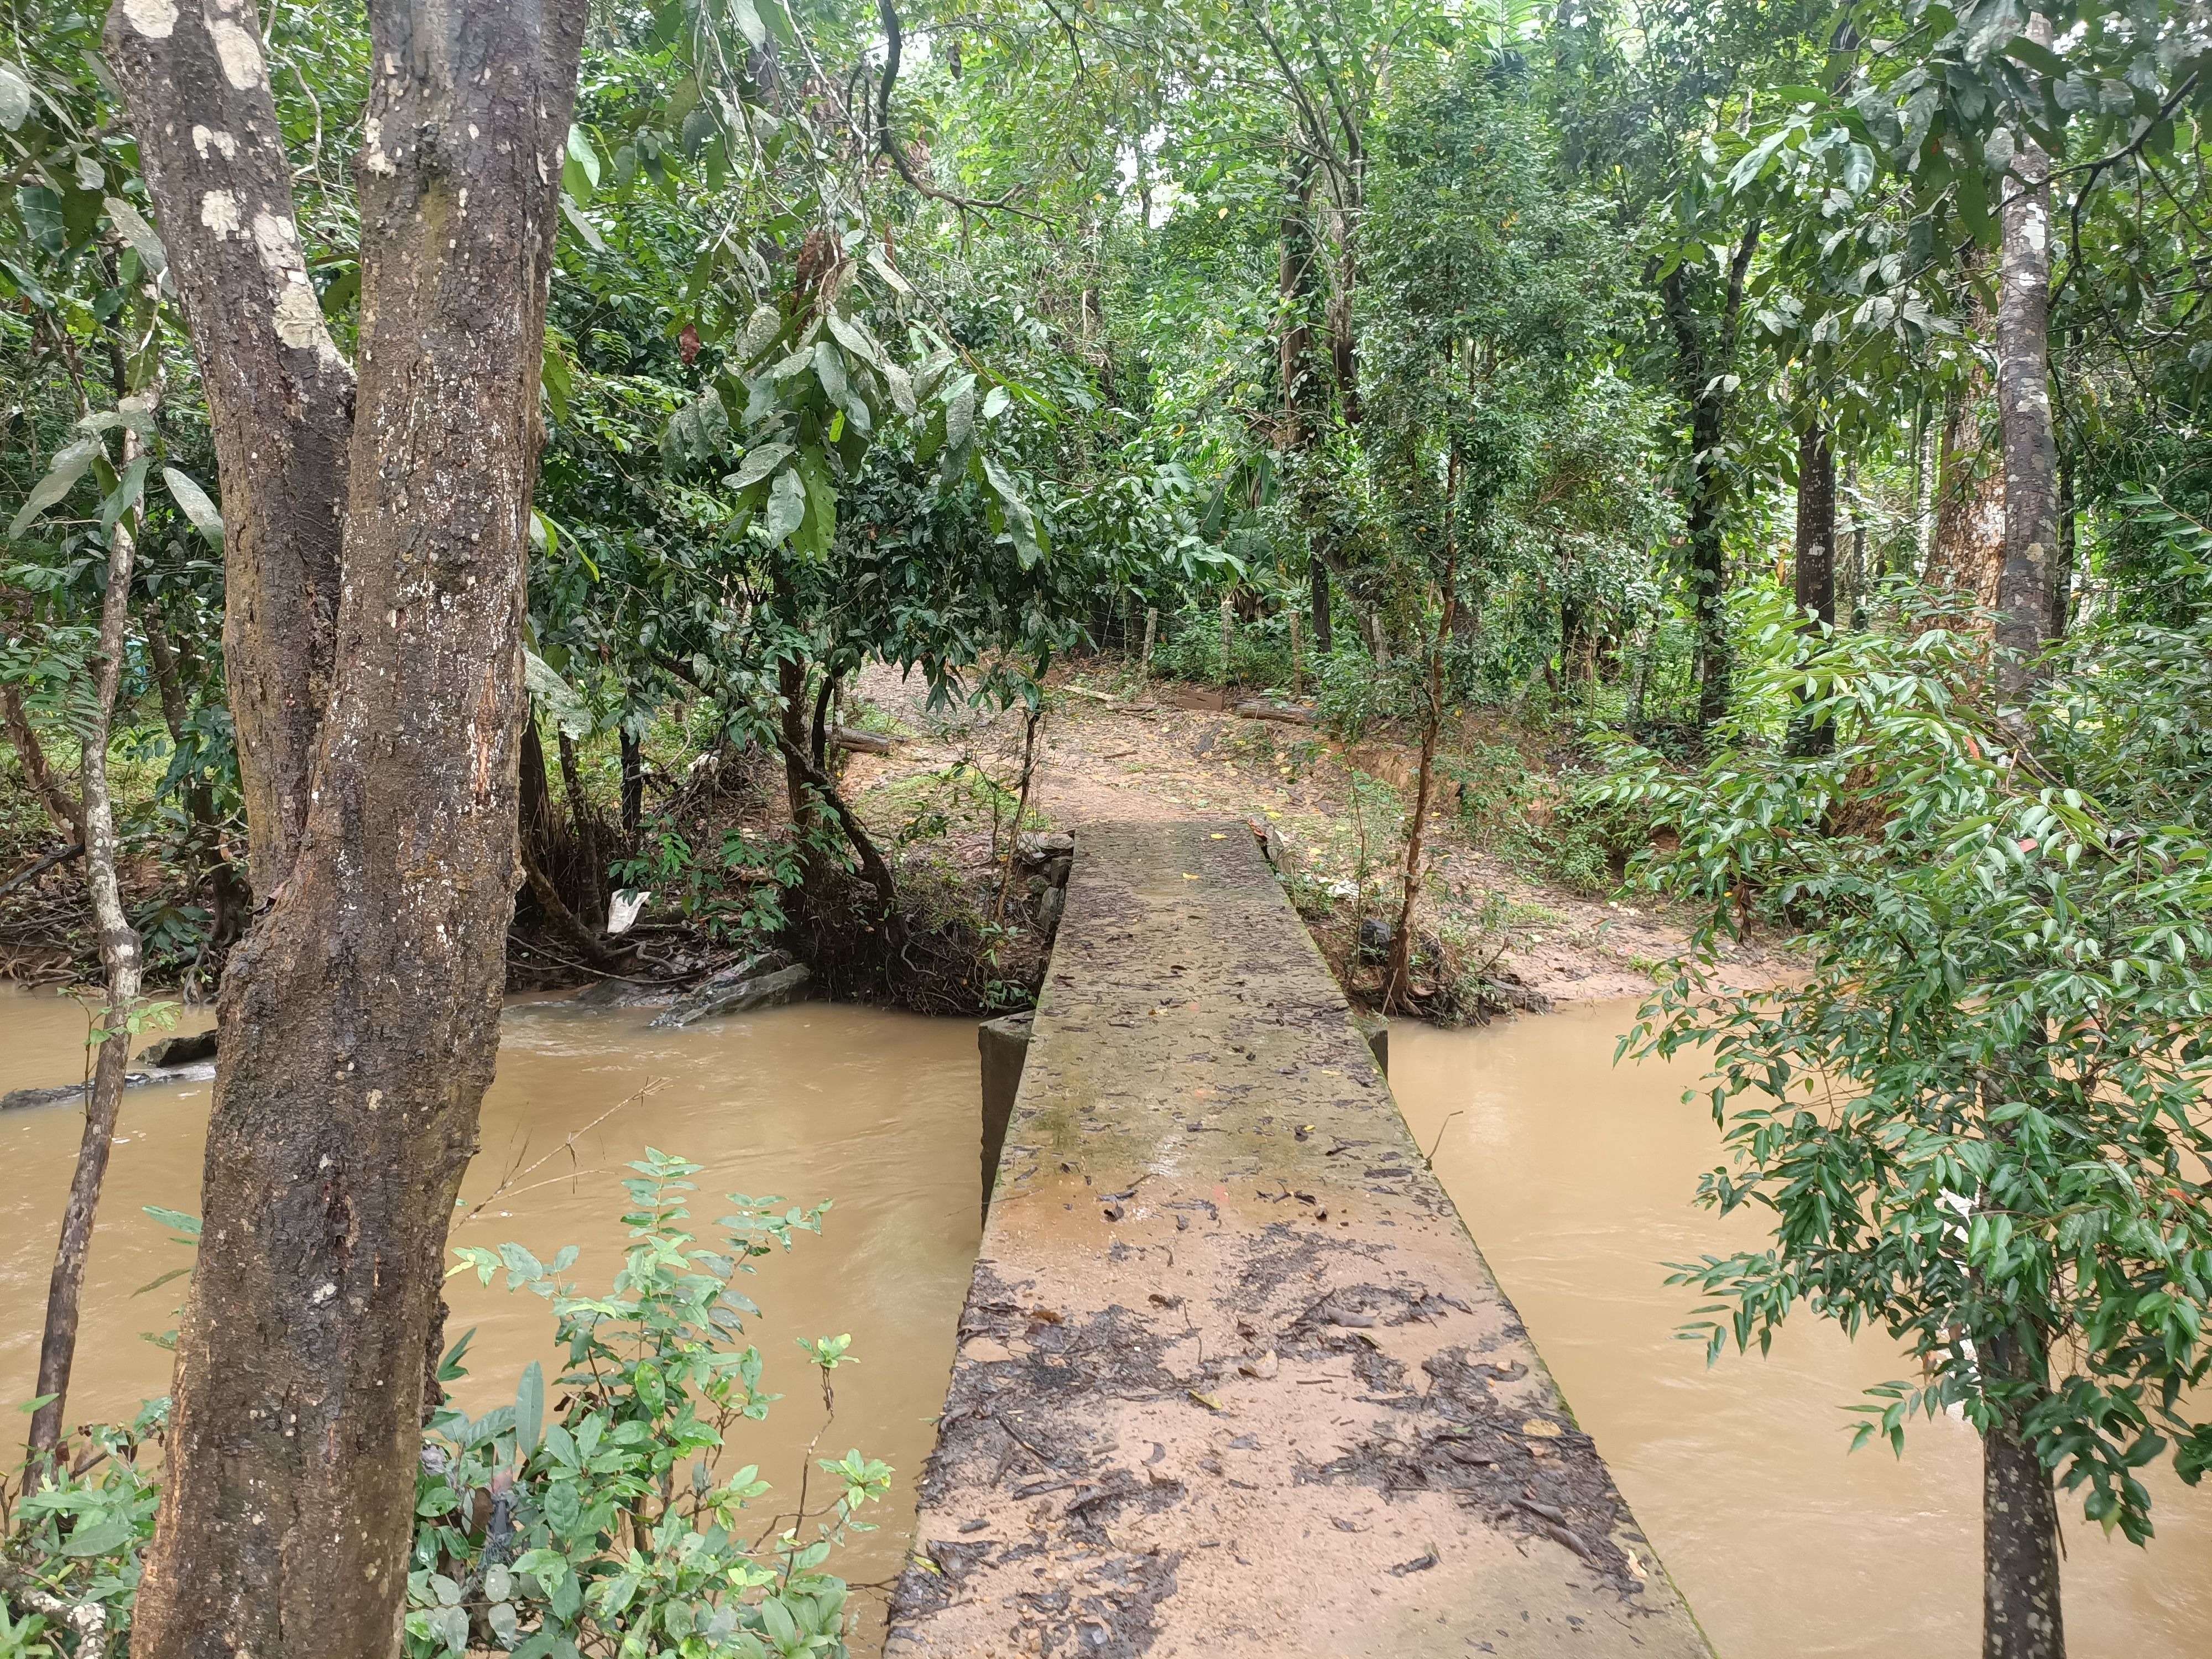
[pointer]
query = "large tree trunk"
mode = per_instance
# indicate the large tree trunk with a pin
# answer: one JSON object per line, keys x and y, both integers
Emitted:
{"x": 360, "y": 1017}
{"x": 119, "y": 951}
{"x": 1815, "y": 581}
{"x": 280, "y": 396}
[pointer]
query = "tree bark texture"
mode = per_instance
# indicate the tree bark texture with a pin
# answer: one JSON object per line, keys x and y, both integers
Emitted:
{"x": 1968, "y": 550}
{"x": 2021, "y": 1618}
{"x": 360, "y": 1016}
{"x": 1701, "y": 368}
{"x": 1815, "y": 576}
{"x": 2031, "y": 448}
{"x": 586, "y": 829}
{"x": 280, "y": 396}
{"x": 632, "y": 786}
{"x": 121, "y": 953}
{"x": 1297, "y": 284}
{"x": 66, "y": 810}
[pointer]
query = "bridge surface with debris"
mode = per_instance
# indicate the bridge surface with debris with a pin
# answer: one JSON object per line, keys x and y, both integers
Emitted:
{"x": 1233, "y": 1377}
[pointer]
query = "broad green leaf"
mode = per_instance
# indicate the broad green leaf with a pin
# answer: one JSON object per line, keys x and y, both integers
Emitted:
{"x": 786, "y": 505}
{"x": 69, "y": 464}
{"x": 98, "y": 1539}
{"x": 585, "y": 159}
{"x": 562, "y": 701}
{"x": 126, "y": 494}
{"x": 193, "y": 501}
{"x": 14, "y": 98}
{"x": 748, "y": 20}
{"x": 140, "y": 235}
{"x": 855, "y": 339}
{"x": 757, "y": 465}
{"x": 583, "y": 227}
{"x": 902, "y": 389}
{"x": 529, "y": 1409}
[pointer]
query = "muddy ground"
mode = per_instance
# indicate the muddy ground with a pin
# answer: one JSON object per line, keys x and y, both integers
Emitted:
{"x": 1116, "y": 747}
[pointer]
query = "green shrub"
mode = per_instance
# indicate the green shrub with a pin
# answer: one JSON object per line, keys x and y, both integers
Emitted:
{"x": 606, "y": 1528}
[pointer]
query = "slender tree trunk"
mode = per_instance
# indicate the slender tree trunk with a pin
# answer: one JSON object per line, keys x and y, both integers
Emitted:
{"x": 873, "y": 867}
{"x": 1036, "y": 719}
{"x": 1343, "y": 339}
{"x": 1318, "y": 578}
{"x": 1228, "y": 642}
{"x": 119, "y": 953}
{"x": 795, "y": 742}
{"x": 818, "y": 741}
{"x": 544, "y": 830}
{"x": 1701, "y": 368}
{"x": 379, "y": 750}
{"x": 1402, "y": 938}
{"x": 2031, "y": 449}
{"x": 586, "y": 829}
{"x": 66, "y": 810}
{"x": 632, "y": 786}
{"x": 1151, "y": 625}
{"x": 2021, "y": 1614}
{"x": 1297, "y": 283}
{"x": 1815, "y": 590}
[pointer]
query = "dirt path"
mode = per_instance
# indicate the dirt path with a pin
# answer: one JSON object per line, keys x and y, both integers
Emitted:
{"x": 1168, "y": 752}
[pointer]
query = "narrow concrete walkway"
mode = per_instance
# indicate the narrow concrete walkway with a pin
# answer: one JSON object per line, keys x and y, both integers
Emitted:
{"x": 1233, "y": 1378}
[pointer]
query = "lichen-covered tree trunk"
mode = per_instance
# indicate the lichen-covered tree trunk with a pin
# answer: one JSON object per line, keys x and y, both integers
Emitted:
{"x": 280, "y": 396}
{"x": 360, "y": 1016}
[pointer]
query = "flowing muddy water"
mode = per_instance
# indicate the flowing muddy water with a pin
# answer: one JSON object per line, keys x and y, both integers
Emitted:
{"x": 1575, "y": 1175}
{"x": 877, "y": 1111}
{"x": 1576, "y": 1178}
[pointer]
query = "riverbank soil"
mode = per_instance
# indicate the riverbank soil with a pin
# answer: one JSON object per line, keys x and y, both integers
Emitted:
{"x": 1516, "y": 900}
{"x": 1521, "y": 907}
{"x": 1232, "y": 1376}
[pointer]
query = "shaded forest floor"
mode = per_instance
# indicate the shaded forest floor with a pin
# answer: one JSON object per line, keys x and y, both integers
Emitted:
{"x": 1518, "y": 906}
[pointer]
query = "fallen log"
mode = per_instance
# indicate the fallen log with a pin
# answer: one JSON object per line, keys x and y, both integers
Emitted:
{"x": 1259, "y": 709}
{"x": 865, "y": 743}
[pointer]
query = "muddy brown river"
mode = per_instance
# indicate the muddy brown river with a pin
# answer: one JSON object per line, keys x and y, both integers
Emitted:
{"x": 1575, "y": 1177}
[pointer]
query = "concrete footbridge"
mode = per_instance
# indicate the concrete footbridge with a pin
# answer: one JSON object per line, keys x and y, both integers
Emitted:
{"x": 1232, "y": 1376}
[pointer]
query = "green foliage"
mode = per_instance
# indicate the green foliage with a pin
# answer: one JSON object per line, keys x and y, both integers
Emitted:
{"x": 605, "y": 1522}
{"x": 1977, "y": 1120}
